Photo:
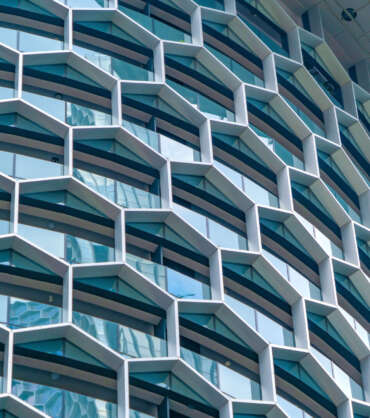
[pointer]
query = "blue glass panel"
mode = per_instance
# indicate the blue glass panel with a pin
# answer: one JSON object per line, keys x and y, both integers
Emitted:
{"x": 255, "y": 15}
{"x": 81, "y": 4}
{"x": 209, "y": 107}
{"x": 159, "y": 28}
{"x": 123, "y": 194}
{"x": 288, "y": 157}
{"x": 179, "y": 284}
{"x": 227, "y": 380}
{"x": 21, "y": 313}
{"x": 129, "y": 342}
{"x": 53, "y": 401}
{"x": 28, "y": 42}
{"x": 124, "y": 70}
{"x": 213, "y": 4}
{"x": 73, "y": 249}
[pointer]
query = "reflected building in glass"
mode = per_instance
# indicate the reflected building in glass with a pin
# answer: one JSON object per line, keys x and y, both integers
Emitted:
{"x": 184, "y": 211}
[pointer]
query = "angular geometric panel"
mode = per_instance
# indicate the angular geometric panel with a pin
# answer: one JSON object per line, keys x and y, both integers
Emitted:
{"x": 184, "y": 212}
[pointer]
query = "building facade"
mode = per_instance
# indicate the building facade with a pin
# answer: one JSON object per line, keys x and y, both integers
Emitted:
{"x": 184, "y": 212}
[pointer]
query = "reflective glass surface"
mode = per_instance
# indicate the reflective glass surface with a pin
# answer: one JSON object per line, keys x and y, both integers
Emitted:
{"x": 178, "y": 284}
{"x": 264, "y": 325}
{"x": 129, "y": 342}
{"x": 227, "y": 380}
{"x": 60, "y": 403}
{"x": 73, "y": 249}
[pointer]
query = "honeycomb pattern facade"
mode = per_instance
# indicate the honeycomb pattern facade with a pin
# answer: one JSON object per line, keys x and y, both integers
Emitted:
{"x": 184, "y": 213}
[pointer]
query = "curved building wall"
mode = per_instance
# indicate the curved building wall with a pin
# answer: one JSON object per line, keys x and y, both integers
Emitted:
{"x": 184, "y": 213}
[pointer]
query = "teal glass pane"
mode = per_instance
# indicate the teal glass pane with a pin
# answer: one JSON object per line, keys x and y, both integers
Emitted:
{"x": 357, "y": 390}
{"x": 272, "y": 331}
{"x": 194, "y": 64}
{"x": 243, "y": 73}
{"x": 249, "y": 274}
{"x": 259, "y": 194}
{"x": 216, "y": 232}
{"x": 162, "y": 230}
{"x": 297, "y": 370}
{"x": 129, "y": 342}
{"x": 27, "y": 5}
{"x": 209, "y": 107}
{"x": 272, "y": 44}
{"x": 45, "y": 398}
{"x": 17, "y": 260}
{"x": 226, "y": 238}
{"x": 18, "y": 121}
{"x": 213, "y": 4}
{"x": 326, "y": 326}
{"x": 170, "y": 381}
{"x": 227, "y": 380}
{"x": 29, "y": 42}
{"x": 184, "y": 287}
{"x": 123, "y": 194}
{"x": 137, "y": 414}
{"x": 4, "y": 227}
{"x": 65, "y": 198}
{"x": 159, "y": 28}
{"x": 30, "y": 167}
{"x": 288, "y": 157}
{"x": 178, "y": 284}
{"x": 283, "y": 231}
{"x": 70, "y": 113}
{"x": 305, "y": 287}
{"x": 315, "y": 128}
{"x": 79, "y": 251}
{"x": 7, "y": 163}
{"x": 177, "y": 151}
{"x": 165, "y": 31}
{"x": 323, "y": 83}
{"x": 115, "y": 284}
{"x": 202, "y": 183}
{"x": 346, "y": 282}
{"x": 205, "y": 366}
{"x": 21, "y": 313}
{"x": 239, "y": 144}
{"x": 121, "y": 69}
{"x": 153, "y": 271}
{"x": 48, "y": 240}
{"x": 73, "y": 249}
{"x": 196, "y": 220}
{"x": 351, "y": 212}
{"x": 253, "y": 190}
{"x": 266, "y": 108}
{"x": 290, "y": 409}
{"x": 6, "y": 93}
{"x": 213, "y": 323}
{"x": 53, "y": 401}
{"x": 9, "y": 37}
{"x": 247, "y": 313}
{"x": 63, "y": 348}
{"x": 82, "y": 115}
{"x": 131, "y": 197}
{"x": 148, "y": 136}
{"x": 81, "y": 4}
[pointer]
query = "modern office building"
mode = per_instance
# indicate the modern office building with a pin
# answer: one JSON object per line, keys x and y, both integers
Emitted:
{"x": 184, "y": 208}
